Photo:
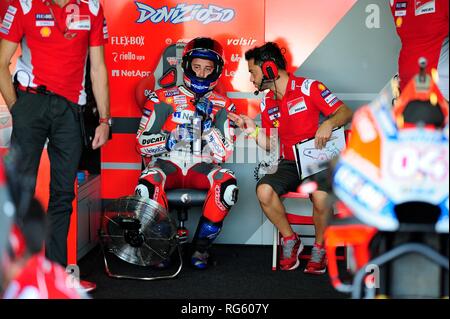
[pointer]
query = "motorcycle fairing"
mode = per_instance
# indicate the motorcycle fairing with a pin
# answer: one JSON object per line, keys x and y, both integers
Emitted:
{"x": 384, "y": 167}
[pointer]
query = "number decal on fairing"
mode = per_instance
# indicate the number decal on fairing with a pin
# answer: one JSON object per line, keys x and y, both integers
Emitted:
{"x": 414, "y": 163}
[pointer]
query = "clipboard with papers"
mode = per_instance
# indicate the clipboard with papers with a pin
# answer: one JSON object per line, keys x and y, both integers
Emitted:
{"x": 309, "y": 159}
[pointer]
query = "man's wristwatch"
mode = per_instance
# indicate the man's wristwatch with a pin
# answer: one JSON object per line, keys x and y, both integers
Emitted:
{"x": 105, "y": 120}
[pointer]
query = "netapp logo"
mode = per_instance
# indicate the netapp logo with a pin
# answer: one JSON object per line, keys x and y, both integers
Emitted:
{"x": 184, "y": 13}
{"x": 130, "y": 73}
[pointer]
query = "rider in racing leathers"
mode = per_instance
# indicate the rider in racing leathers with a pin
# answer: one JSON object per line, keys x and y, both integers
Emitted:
{"x": 183, "y": 134}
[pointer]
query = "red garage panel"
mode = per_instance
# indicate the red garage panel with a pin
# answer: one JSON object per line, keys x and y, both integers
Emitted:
{"x": 127, "y": 181}
{"x": 140, "y": 30}
{"x": 121, "y": 149}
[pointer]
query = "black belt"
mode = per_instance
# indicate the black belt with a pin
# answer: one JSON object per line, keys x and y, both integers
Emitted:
{"x": 40, "y": 89}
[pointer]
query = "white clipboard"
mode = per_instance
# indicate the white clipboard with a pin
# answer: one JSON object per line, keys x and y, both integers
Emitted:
{"x": 309, "y": 158}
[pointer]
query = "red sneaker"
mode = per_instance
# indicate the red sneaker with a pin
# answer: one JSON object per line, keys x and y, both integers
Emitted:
{"x": 88, "y": 286}
{"x": 317, "y": 265}
{"x": 291, "y": 248}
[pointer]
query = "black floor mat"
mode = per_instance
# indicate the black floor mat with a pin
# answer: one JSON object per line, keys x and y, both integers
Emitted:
{"x": 238, "y": 272}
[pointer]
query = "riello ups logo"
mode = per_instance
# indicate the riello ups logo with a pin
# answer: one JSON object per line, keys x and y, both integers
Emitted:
{"x": 184, "y": 13}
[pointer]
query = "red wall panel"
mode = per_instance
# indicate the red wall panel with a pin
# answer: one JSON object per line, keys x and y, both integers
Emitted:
{"x": 138, "y": 38}
{"x": 139, "y": 31}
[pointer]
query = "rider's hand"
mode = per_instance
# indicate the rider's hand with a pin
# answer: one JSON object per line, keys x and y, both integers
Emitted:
{"x": 244, "y": 122}
{"x": 249, "y": 124}
{"x": 323, "y": 134}
{"x": 183, "y": 134}
{"x": 101, "y": 136}
{"x": 171, "y": 141}
{"x": 206, "y": 124}
{"x": 236, "y": 119}
{"x": 204, "y": 107}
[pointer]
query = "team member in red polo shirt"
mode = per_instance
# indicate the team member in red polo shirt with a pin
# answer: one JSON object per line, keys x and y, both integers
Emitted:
{"x": 292, "y": 105}
{"x": 56, "y": 37}
{"x": 29, "y": 275}
{"x": 422, "y": 26}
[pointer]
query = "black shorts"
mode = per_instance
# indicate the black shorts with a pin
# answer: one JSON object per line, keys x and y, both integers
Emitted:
{"x": 286, "y": 178}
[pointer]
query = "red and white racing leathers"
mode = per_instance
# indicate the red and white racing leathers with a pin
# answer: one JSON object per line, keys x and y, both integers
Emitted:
{"x": 166, "y": 111}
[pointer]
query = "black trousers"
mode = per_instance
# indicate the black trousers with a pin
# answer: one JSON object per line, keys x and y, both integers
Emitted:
{"x": 36, "y": 118}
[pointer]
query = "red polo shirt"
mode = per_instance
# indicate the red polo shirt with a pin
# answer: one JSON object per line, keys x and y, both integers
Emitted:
{"x": 54, "y": 51}
{"x": 422, "y": 26}
{"x": 42, "y": 279}
{"x": 297, "y": 115}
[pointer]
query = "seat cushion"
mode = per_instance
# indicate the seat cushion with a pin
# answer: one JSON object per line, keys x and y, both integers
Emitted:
{"x": 186, "y": 197}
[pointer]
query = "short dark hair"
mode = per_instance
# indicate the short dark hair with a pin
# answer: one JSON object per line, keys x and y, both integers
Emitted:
{"x": 268, "y": 51}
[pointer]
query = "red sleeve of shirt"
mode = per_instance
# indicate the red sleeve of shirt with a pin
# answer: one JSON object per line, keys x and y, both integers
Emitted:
{"x": 99, "y": 31}
{"x": 324, "y": 99}
{"x": 446, "y": 5}
{"x": 266, "y": 123}
{"x": 3, "y": 6}
{"x": 11, "y": 28}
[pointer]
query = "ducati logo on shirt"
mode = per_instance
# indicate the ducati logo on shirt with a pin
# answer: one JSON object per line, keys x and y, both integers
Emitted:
{"x": 297, "y": 105}
{"x": 425, "y": 7}
{"x": 79, "y": 22}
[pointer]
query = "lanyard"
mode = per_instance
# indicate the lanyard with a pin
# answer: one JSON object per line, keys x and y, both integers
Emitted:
{"x": 66, "y": 32}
